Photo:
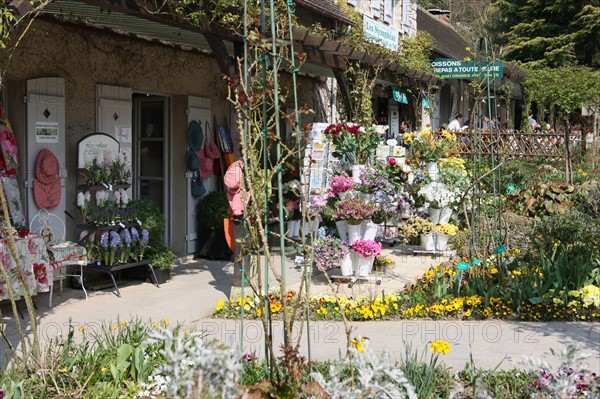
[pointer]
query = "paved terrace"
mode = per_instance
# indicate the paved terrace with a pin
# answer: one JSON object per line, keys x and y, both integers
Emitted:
{"x": 197, "y": 284}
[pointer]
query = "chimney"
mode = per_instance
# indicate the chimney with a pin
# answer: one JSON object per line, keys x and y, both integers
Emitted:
{"x": 442, "y": 15}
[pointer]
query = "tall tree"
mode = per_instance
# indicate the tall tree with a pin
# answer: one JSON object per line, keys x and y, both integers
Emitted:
{"x": 549, "y": 32}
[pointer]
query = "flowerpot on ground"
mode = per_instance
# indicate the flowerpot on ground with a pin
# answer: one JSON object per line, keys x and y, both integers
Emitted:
{"x": 427, "y": 242}
{"x": 363, "y": 266}
{"x": 212, "y": 243}
{"x": 162, "y": 275}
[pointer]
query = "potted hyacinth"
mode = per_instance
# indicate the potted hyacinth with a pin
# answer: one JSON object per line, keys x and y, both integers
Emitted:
{"x": 365, "y": 253}
{"x": 110, "y": 243}
{"x": 83, "y": 203}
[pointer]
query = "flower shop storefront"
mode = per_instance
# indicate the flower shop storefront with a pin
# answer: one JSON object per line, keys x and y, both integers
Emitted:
{"x": 363, "y": 190}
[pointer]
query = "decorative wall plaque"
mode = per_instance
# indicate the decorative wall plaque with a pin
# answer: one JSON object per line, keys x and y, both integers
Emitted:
{"x": 99, "y": 146}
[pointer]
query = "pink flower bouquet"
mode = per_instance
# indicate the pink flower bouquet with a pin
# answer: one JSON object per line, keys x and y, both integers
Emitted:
{"x": 367, "y": 248}
{"x": 341, "y": 184}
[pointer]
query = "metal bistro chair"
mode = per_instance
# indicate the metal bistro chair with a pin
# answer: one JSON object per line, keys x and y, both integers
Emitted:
{"x": 61, "y": 253}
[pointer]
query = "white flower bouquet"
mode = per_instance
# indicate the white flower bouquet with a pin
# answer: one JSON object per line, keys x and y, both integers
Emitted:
{"x": 438, "y": 195}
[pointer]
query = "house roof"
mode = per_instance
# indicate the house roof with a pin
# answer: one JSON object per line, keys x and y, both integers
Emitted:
{"x": 446, "y": 41}
{"x": 326, "y": 8}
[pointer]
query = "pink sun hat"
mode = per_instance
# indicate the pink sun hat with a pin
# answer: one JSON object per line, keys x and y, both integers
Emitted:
{"x": 233, "y": 184}
{"x": 47, "y": 184}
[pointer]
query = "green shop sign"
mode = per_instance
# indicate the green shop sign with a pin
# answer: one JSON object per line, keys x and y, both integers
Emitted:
{"x": 448, "y": 68}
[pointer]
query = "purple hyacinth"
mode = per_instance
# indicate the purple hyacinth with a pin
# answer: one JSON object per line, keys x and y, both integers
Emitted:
{"x": 135, "y": 236}
{"x": 126, "y": 237}
{"x": 115, "y": 239}
{"x": 104, "y": 240}
{"x": 145, "y": 237}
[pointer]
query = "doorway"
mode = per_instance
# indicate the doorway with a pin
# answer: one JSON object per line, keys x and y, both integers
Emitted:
{"x": 152, "y": 133}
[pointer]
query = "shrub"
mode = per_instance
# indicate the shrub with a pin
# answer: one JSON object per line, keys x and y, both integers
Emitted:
{"x": 151, "y": 217}
{"x": 162, "y": 257}
{"x": 212, "y": 209}
{"x": 589, "y": 199}
{"x": 572, "y": 228}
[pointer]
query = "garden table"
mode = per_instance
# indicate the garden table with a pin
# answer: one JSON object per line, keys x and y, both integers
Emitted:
{"x": 35, "y": 263}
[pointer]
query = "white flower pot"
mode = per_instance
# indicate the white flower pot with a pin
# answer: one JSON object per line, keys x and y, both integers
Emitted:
{"x": 441, "y": 241}
{"x": 293, "y": 228}
{"x": 367, "y": 197}
{"x": 434, "y": 214}
{"x": 369, "y": 230}
{"x": 432, "y": 170}
{"x": 315, "y": 226}
{"x": 363, "y": 266}
{"x": 445, "y": 215}
{"x": 356, "y": 170}
{"x": 427, "y": 242}
{"x": 346, "y": 266}
{"x": 310, "y": 227}
{"x": 354, "y": 233}
{"x": 342, "y": 228}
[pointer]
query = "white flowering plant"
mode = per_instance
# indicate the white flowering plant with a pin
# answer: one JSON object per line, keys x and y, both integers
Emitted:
{"x": 438, "y": 195}
{"x": 83, "y": 203}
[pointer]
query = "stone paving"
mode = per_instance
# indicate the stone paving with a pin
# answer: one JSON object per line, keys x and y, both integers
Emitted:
{"x": 197, "y": 284}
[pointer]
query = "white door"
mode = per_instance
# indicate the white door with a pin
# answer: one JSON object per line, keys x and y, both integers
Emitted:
{"x": 114, "y": 115}
{"x": 45, "y": 129}
{"x": 199, "y": 110}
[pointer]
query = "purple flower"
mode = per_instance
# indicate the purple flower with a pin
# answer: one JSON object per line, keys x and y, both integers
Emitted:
{"x": 126, "y": 237}
{"x": 135, "y": 236}
{"x": 104, "y": 239}
{"x": 329, "y": 252}
{"x": 115, "y": 239}
{"x": 145, "y": 237}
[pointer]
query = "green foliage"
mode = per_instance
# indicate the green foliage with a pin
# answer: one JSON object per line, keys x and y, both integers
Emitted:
{"x": 212, "y": 209}
{"x": 571, "y": 228}
{"x": 589, "y": 200}
{"x": 153, "y": 220}
{"x": 544, "y": 199}
{"x": 162, "y": 257}
{"x": 542, "y": 33}
{"x": 429, "y": 378}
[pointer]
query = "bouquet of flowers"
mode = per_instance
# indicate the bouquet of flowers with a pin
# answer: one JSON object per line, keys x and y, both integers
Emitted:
{"x": 375, "y": 180}
{"x": 414, "y": 227}
{"x": 316, "y": 204}
{"x": 428, "y": 146}
{"x": 399, "y": 174}
{"x": 367, "y": 248}
{"x": 354, "y": 210}
{"x": 437, "y": 195}
{"x": 120, "y": 171}
{"x": 353, "y": 143}
{"x": 329, "y": 252}
{"x": 447, "y": 228}
{"x": 83, "y": 203}
{"x": 340, "y": 184}
{"x": 454, "y": 174}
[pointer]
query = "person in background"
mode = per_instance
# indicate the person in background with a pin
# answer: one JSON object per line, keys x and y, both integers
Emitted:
{"x": 403, "y": 129}
{"x": 533, "y": 124}
{"x": 485, "y": 123}
{"x": 456, "y": 124}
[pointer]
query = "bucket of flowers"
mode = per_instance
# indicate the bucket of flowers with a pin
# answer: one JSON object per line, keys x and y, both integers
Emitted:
{"x": 443, "y": 233}
{"x": 330, "y": 252}
{"x": 354, "y": 210}
{"x": 418, "y": 226}
{"x": 365, "y": 252}
{"x": 430, "y": 146}
{"x": 439, "y": 198}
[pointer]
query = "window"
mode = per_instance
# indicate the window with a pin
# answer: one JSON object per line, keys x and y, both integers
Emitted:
{"x": 388, "y": 15}
{"x": 376, "y": 9}
{"x": 406, "y": 9}
{"x": 353, "y": 3}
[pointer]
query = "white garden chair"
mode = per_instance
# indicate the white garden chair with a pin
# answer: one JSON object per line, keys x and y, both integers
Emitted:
{"x": 62, "y": 253}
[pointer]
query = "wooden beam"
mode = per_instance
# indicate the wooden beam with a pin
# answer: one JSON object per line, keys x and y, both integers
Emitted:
{"x": 330, "y": 45}
{"x": 219, "y": 51}
{"x": 340, "y": 77}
